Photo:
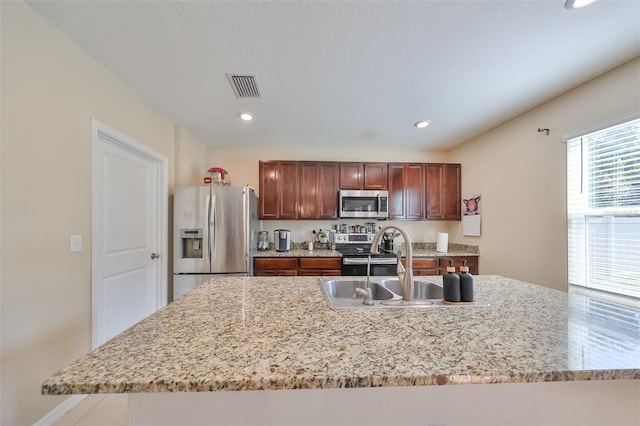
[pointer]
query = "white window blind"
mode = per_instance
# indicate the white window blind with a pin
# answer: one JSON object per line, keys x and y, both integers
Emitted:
{"x": 603, "y": 209}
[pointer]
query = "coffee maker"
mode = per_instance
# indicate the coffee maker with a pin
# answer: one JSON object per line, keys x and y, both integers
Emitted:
{"x": 282, "y": 239}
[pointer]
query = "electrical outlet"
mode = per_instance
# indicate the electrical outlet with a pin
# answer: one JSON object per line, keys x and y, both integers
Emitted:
{"x": 75, "y": 243}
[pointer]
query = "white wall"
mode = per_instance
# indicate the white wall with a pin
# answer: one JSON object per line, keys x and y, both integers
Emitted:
{"x": 50, "y": 91}
{"x": 521, "y": 175}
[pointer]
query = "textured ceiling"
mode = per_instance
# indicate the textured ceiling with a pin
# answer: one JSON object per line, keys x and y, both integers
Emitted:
{"x": 350, "y": 73}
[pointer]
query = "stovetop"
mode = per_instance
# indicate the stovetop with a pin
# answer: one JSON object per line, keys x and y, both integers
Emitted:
{"x": 356, "y": 244}
{"x": 359, "y": 250}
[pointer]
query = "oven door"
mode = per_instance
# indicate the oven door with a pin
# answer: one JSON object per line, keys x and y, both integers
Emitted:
{"x": 379, "y": 267}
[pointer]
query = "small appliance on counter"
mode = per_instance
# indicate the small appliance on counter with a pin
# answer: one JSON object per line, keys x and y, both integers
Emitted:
{"x": 282, "y": 239}
{"x": 263, "y": 240}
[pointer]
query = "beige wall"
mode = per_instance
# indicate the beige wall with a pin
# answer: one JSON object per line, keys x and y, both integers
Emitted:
{"x": 521, "y": 175}
{"x": 51, "y": 89}
{"x": 189, "y": 157}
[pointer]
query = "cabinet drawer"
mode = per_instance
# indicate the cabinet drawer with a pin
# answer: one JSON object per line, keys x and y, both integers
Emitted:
{"x": 425, "y": 272}
{"x": 320, "y": 263}
{"x": 275, "y": 273}
{"x": 425, "y": 262}
{"x": 320, "y": 273}
{"x": 275, "y": 263}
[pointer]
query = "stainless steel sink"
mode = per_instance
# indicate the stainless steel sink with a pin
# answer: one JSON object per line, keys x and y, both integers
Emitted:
{"x": 386, "y": 292}
{"x": 421, "y": 289}
{"x": 345, "y": 289}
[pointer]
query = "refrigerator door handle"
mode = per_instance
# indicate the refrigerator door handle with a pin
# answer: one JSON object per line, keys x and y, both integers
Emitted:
{"x": 212, "y": 228}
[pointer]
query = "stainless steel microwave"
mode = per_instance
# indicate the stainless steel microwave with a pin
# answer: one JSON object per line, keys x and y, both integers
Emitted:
{"x": 364, "y": 204}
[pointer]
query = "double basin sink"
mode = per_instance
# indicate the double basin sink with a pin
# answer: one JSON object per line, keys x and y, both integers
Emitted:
{"x": 385, "y": 292}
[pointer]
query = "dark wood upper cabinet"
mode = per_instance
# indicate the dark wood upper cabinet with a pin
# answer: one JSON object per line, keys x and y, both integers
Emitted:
{"x": 443, "y": 191}
{"x": 268, "y": 191}
{"x": 309, "y": 189}
{"x": 318, "y": 190}
{"x": 290, "y": 189}
{"x": 279, "y": 189}
{"x": 328, "y": 183}
{"x": 375, "y": 176}
{"x": 351, "y": 175}
{"x": 406, "y": 191}
{"x": 363, "y": 175}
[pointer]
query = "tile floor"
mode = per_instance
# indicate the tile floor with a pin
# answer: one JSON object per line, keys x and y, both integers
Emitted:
{"x": 97, "y": 410}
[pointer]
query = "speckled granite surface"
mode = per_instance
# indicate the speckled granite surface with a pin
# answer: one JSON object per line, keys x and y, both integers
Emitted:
{"x": 298, "y": 253}
{"x": 250, "y": 333}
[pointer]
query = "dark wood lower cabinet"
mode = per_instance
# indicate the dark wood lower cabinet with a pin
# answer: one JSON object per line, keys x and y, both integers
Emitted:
{"x": 275, "y": 266}
{"x": 472, "y": 263}
{"x": 291, "y": 266}
{"x": 423, "y": 266}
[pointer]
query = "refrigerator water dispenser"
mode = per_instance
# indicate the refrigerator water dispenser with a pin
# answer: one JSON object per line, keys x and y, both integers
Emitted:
{"x": 191, "y": 243}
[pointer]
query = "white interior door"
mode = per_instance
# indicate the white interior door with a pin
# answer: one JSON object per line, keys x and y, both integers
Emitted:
{"x": 129, "y": 234}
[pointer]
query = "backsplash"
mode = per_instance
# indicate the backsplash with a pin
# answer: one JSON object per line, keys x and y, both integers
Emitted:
{"x": 302, "y": 230}
{"x": 452, "y": 247}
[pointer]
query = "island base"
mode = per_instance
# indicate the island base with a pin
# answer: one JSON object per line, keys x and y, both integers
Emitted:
{"x": 611, "y": 402}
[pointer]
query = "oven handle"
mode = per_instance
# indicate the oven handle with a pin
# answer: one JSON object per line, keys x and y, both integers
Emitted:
{"x": 374, "y": 261}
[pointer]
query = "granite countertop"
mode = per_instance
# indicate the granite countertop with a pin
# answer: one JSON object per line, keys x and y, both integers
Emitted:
{"x": 296, "y": 252}
{"x": 252, "y": 333}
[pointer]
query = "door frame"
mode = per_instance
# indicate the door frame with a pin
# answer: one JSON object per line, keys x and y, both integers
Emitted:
{"x": 122, "y": 141}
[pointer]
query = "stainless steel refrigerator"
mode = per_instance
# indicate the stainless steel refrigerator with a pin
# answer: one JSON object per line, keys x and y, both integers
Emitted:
{"x": 214, "y": 233}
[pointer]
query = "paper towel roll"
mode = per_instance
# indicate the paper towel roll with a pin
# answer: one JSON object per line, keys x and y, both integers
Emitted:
{"x": 443, "y": 242}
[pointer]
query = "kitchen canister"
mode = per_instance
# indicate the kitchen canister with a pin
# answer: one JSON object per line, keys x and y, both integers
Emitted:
{"x": 263, "y": 240}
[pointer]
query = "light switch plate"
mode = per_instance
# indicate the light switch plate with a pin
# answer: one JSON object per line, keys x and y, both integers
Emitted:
{"x": 75, "y": 243}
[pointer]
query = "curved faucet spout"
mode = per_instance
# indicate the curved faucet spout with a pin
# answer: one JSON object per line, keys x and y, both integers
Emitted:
{"x": 406, "y": 275}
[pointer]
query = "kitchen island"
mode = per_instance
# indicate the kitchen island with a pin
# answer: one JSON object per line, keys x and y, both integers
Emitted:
{"x": 535, "y": 354}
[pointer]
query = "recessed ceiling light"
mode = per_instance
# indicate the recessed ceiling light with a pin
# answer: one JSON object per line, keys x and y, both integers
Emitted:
{"x": 246, "y": 116}
{"x": 421, "y": 124}
{"x": 577, "y": 4}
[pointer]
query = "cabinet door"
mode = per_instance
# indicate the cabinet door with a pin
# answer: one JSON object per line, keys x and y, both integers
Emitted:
{"x": 375, "y": 176}
{"x": 318, "y": 190}
{"x": 396, "y": 192}
{"x": 351, "y": 175}
{"x": 443, "y": 191}
{"x": 328, "y": 191}
{"x": 279, "y": 187}
{"x": 268, "y": 191}
{"x": 453, "y": 197}
{"x": 289, "y": 184}
{"x": 406, "y": 191}
{"x": 414, "y": 189}
{"x": 309, "y": 190}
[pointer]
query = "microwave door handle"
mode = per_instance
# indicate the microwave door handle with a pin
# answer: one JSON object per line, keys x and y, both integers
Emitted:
{"x": 379, "y": 204}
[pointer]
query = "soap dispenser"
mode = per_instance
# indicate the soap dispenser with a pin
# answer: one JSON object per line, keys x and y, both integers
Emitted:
{"x": 466, "y": 283}
{"x": 451, "y": 284}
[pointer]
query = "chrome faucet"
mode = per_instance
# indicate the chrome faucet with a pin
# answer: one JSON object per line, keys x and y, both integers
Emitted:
{"x": 405, "y": 275}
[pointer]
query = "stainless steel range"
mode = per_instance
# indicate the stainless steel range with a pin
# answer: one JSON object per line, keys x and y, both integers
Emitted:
{"x": 355, "y": 249}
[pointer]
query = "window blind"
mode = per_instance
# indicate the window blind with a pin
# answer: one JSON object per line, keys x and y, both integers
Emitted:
{"x": 603, "y": 209}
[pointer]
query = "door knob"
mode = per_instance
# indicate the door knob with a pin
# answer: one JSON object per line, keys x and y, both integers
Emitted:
{"x": 155, "y": 255}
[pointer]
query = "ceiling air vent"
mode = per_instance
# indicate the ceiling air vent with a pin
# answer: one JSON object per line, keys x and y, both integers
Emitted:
{"x": 244, "y": 85}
